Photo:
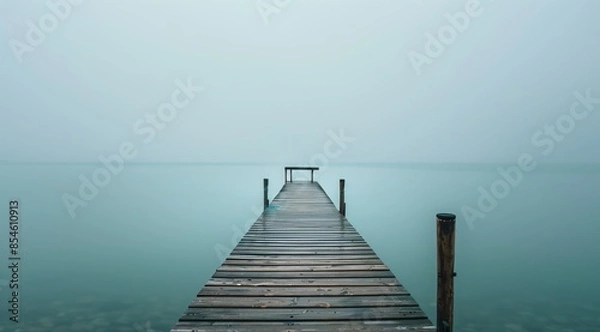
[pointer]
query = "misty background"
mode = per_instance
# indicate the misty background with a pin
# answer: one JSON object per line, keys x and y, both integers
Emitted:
{"x": 273, "y": 91}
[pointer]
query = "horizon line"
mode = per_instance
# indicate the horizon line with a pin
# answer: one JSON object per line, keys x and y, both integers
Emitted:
{"x": 366, "y": 163}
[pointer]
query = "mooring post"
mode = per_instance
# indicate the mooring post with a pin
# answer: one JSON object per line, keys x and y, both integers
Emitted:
{"x": 312, "y": 177}
{"x": 446, "y": 224}
{"x": 343, "y": 197}
{"x": 266, "y": 193}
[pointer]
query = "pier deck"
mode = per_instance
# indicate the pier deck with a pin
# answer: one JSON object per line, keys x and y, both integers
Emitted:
{"x": 303, "y": 267}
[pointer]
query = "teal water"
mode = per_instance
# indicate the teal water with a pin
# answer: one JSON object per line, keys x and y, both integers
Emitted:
{"x": 136, "y": 255}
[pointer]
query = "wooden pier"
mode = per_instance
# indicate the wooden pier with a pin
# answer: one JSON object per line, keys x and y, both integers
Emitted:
{"x": 303, "y": 267}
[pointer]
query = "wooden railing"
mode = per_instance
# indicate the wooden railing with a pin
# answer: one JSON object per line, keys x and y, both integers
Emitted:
{"x": 291, "y": 169}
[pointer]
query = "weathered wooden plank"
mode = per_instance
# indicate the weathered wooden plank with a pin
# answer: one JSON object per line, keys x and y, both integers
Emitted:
{"x": 294, "y": 251}
{"x": 298, "y": 237}
{"x": 295, "y": 314}
{"x": 292, "y": 290}
{"x": 297, "y": 247}
{"x": 303, "y": 247}
{"x": 293, "y": 237}
{"x": 302, "y": 252}
{"x": 303, "y": 302}
{"x": 413, "y": 325}
{"x": 299, "y": 282}
{"x": 301, "y": 244}
{"x": 287, "y": 219}
{"x": 303, "y": 257}
{"x": 297, "y": 262}
{"x": 339, "y": 228}
{"x": 307, "y": 233}
{"x": 315, "y": 275}
{"x": 341, "y": 241}
{"x": 399, "y": 325}
{"x": 300, "y": 268}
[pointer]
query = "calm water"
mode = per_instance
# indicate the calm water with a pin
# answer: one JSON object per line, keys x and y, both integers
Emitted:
{"x": 135, "y": 256}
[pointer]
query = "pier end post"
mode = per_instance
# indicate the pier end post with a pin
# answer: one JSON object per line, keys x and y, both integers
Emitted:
{"x": 343, "y": 197}
{"x": 266, "y": 193}
{"x": 446, "y": 224}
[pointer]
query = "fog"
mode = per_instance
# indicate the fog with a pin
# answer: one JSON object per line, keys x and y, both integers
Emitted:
{"x": 405, "y": 81}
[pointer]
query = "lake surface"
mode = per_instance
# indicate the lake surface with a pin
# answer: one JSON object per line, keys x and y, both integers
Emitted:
{"x": 134, "y": 257}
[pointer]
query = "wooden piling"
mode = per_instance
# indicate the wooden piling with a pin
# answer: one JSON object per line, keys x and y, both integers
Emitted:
{"x": 266, "y": 193}
{"x": 343, "y": 197}
{"x": 446, "y": 224}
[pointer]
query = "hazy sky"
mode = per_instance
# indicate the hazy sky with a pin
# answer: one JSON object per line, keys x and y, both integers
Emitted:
{"x": 78, "y": 81}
